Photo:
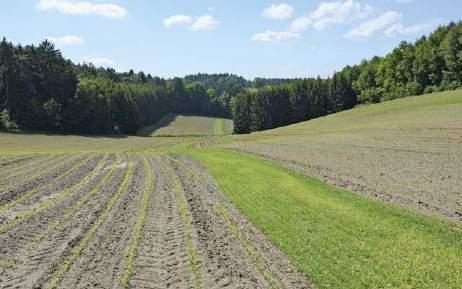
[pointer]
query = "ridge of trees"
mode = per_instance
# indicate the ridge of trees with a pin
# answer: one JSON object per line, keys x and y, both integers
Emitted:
{"x": 432, "y": 63}
{"x": 41, "y": 90}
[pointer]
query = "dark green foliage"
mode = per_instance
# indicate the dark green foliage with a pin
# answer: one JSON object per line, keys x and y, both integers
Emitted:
{"x": 40, "y": 90}
{"x": 430, "y": 64}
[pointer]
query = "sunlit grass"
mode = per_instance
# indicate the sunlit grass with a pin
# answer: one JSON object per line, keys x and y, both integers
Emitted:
{"x": 338, "y": 239}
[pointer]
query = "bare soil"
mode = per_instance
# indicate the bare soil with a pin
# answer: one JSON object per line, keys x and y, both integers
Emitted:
{"x": 192, "y": 237}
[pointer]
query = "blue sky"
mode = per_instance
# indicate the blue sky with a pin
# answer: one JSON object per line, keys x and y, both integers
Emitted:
{"x": 258, "y": 38}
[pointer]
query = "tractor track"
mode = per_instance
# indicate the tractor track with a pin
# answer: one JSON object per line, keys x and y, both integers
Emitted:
{"x": 137, "y": 221}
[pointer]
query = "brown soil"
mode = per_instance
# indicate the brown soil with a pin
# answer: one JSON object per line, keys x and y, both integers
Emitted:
{"x": 192, "y": 236}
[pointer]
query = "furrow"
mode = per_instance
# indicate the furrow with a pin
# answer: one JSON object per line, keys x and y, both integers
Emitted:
{"x": 162, "y": 259}
{"x": 184, "y": 212}
{"x": 83, "y": 243}
{"x": 40, "y": 173}
{"x": 27, "y": 169}
{"x": 138, "y": 229}
{"x": 9, "y": 171}
{"x": 53, "y": 201}
{"x": 33, "y": 265}
{"x": 24, "y": 196}
{"x": 101, "y": 262}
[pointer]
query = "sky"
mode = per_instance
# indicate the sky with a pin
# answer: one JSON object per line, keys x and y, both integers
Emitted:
{"x": 256, "y": 38}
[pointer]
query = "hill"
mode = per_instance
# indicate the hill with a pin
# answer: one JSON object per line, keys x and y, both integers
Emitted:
{"x": 184, "y": 125}
{"x": 406, "y": 151}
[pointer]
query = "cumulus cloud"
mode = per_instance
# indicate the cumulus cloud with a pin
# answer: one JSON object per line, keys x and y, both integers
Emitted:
{"x": 278, "y": 11}
{"x": 203, "y": 23}
{"x": 99, "y": 61}
{"x": 400, "y": 29}
{"x": 273, "y": 36}
{"x": 177, "y": 20}
{"x": 373, "y": 26}
{"x": 83, "y": 8}
{"x": 66, "y": 40}
{"x": 331, "y": 13}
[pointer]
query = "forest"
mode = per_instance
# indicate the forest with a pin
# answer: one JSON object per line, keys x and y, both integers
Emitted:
{"x": 40, "y": 90}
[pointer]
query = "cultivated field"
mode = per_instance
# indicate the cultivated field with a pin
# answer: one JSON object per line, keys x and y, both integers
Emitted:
{"x": 184, "y": 212}
{"x": 127, "y": 220}
{"x": 181, "y": 125}
{"x": 408, "y": 151}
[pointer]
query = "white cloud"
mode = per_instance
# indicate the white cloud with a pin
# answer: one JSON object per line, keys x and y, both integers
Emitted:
{"x": 99, "y": 61}
{"x": 66, "y": 40}
{"x": 370, "y": 27}
{"x": 205, "y": 22}
{"x": 272, "y": 36}
{"x": 201, "y": 23}
{"x": 331, "y": 13}
{"x": 177, "y": 20}
{"x": 82, "y": 8}
{"x": 399, "y": 29}
{"x": 278, "y": 11}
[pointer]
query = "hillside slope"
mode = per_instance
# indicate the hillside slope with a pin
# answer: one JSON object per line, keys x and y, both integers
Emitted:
{"x": 406, "y": 151}
{"x": 182, "y": 125}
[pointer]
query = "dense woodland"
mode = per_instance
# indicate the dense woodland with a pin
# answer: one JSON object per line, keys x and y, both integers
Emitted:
{"x": 41, "y": 90}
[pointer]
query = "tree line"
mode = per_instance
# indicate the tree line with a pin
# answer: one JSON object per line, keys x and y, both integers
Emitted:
{"x": 41, "y": 90}
{"x": 432, "y": 63}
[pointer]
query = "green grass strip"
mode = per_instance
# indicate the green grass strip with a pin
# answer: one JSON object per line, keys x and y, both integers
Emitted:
{"x": 29, "y": 194}
{"x": 248, "y": 248}
{"x": 337, "y": 238}
{"x": 131, "y": 251}
{"x": 218, "y": 127}
{"x": 58, "y": 164}
{"x": 183, "y": 207}
{"x": 83, "y": 243}
{"x": 54, "y": 200}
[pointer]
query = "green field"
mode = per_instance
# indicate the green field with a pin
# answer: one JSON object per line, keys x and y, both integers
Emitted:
{"x": 182, "y": 125}
{"x": 337, "y": 238}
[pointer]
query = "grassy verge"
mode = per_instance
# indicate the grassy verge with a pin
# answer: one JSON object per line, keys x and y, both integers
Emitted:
{"x": 218, "y": 128}
{"x": 338, "y": 239}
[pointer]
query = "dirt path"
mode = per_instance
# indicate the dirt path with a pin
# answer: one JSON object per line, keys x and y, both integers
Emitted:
{"x": 142, "y": 221}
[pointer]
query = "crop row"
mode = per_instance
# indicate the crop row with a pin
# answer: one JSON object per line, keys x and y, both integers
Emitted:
{"x": 251, "y": 252}
{"x": 30, "y": 165}
{"x": 68, "y": 214}
{"x": 138, "y": 229}
{"x": 54, "y": 200}
{"x": 30, "y": 193}
{"x": 183, "y": 207}
{"x": 83, "y": 243}
{"x": 40, "y": 173}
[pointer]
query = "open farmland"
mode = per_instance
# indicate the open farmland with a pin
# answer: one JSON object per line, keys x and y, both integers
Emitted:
{"x": 181, "y": 125}
{"x": 127, "y": 220}
{"x": 185, "y": 212}
{"x": 407, "y": 151}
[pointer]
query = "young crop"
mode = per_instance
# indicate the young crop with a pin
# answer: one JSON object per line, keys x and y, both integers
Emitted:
{"x": 58, "y": 164}
{"x": 83, "y": 243}
{"x": 54, "y": 200}
{"x": 183, "y": 207}
{"x": 30, "y": 193}
{"x": 234, "y": 229}
{"x": 138, "y": 229}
